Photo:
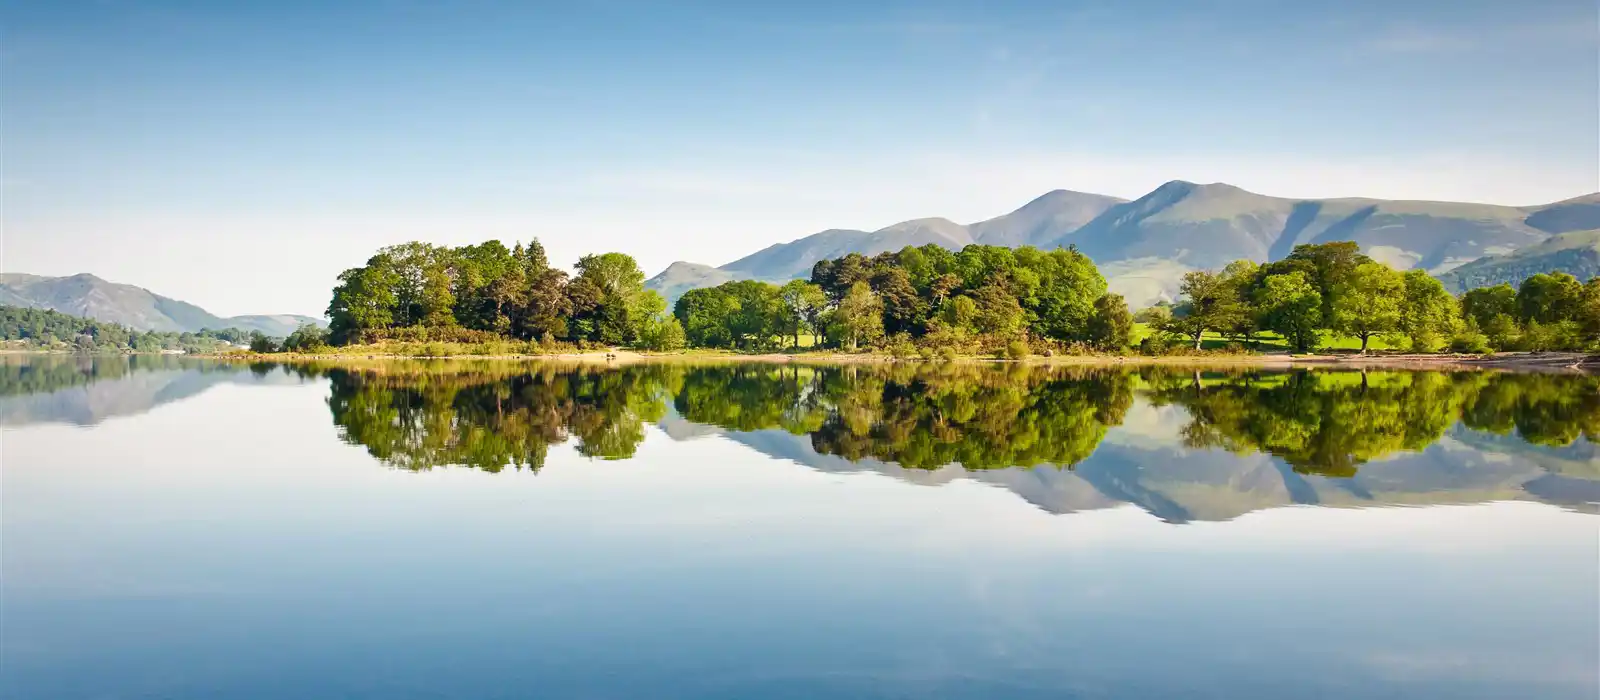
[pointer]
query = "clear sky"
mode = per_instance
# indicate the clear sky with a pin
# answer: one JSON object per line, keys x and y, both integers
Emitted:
{"x": 239, "y": 155}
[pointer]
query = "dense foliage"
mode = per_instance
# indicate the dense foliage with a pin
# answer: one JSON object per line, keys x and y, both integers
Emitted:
{"x": 419, "y": 291}
{"x": 925, "y": 416}
{"x": 52, "y": 330}
{"x": 926, "y": 298}
{"x": 935, "y": 302}
{"x": 1332, "y": 289}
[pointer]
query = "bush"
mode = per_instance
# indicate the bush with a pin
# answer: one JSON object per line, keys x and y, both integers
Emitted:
{"x": 260, "y": 343}
{"x": 948, "y": 354}
{"x": 900, "y": 347}
{"x": 1469, "y": 339}
{"x": 1018, "y": 350}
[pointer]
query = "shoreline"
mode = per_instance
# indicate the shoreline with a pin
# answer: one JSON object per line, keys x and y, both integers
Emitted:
{"x": 1559, "y": 362}
{"x": 1551, "y": 362}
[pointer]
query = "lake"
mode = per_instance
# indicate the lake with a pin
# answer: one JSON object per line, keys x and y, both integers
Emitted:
{"x": 178, "y": 528}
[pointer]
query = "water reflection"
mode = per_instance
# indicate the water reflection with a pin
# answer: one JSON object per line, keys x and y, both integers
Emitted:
{"x": 1180, "y": 443}
{"x": 1208, "y": 445}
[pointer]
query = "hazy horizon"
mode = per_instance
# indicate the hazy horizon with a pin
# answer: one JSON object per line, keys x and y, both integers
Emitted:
{"x": 239, "y": 158}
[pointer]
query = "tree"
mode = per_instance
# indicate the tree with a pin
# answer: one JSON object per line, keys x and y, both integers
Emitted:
{"x": 259, "y": 342}
{"x": 758, "y": 316}
{"x": 1588, "y": 312}
{"x": 1062, "y": 301}
{"x": 1428, "y": 313}
{"x": 1211, "y": 303}
{"x": 546, "y": 304}
{"x": 858, "y": 320}
{"x": 1368, "y": 302}
{"x": 1327, "y": 267}
{"x": 705, "y": 315}
{"x": 1241, "y": 276}
{"x": 999, "y": 314}
{"x": 1485, "y": 303}
{"x": 662, "y": 333}
{"x": 307, "y": 338}
{"x": 903, "y": 310}
{"x": 1292, "y": 307}
{"x": 805, "y": 302}
{"x": 364, "y": 300}
{"x": 1111, "y": 327}
{"x": 1549, "y": 298}
{"x": 609, "y": 298}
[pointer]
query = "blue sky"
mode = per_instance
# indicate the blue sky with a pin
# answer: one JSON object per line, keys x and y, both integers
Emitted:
{"x": 238, "y": 155}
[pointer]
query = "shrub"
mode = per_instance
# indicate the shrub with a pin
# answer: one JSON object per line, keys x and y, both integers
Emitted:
{"x": 900, "y": 346}
{"x": 1018, "y": 350}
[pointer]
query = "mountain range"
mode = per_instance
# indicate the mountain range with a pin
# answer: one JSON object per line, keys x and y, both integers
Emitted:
{"x": 135, "y": 307}
{"x": 1575, "y": 252}
{"x": 1144, "y": 246}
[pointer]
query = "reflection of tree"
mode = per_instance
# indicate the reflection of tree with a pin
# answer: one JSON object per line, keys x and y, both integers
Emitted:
{"x": 1331, "y": 422}
{"x": 34, "y": 374}
{"x": 489, "y": 417}
{"x": 919, "y": 416}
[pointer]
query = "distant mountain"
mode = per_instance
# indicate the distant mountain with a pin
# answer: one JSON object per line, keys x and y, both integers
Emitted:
{"x": 135, "y": 307}
{"x": 1576, "y": 253}
{"x": 1576, "y": 214}
{"x": 1041, "y": 221}
{"x": 680, "y": 277}
{"x": 1144, "y": 246}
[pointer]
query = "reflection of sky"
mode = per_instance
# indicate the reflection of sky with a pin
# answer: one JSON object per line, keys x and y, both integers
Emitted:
{"x": 231, "y": 545}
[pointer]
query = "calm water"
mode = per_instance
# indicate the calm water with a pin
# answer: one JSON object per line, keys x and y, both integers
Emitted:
{"x": 178, "y": 529}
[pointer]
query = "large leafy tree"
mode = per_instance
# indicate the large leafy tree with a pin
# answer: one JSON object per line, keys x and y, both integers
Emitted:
{"x": 1111, "y": 327}
{"x": 1549, "y": 298}
{"x": 364, "y": 300}
{"x": 805, "y": 302}
{"x": 1428, "y": 313}
{"x": 1368, "y": 302}
{"x": 1210, "y": 303}
{"x": 858, "y": 320}
{"x": 1291, "y": 306}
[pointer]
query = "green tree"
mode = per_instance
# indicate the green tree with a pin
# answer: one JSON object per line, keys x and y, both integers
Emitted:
{"x": 1549, "y": 298}
{"x": 805, "y": 302}
{"x": 706, "y": 316}
{"x": 1111, "y": 327}
{"x": 606, "y": 304}
{"x": 1368, "y": 302}
{"x": 1485, "y": 303}
{"x": 1327, "y": 267}
{"x": 307, "y": 338}
{"x": 1292, "y": 307}
{"x": 858, "y": 321}
{"x": 998, "y": 313}
{"x": 1588, "y": 312}
{"x": 364, "y": 300}
{"x": 1210, "y": 303}
{"x": 1428, "y": 313}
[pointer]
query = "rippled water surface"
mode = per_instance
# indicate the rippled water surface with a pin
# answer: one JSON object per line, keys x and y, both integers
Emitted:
{"x": 184, "y": 529}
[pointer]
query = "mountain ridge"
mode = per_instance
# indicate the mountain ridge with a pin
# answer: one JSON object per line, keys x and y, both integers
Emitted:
{"x": 88, "y": 296}
{"x": 1149, "y": 242}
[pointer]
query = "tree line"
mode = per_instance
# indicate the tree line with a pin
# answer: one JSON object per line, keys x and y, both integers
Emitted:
{"x": 925, "y": 299}
{"x": 1333, "y": 289}
{"x": 52, "y": 330}
{"x": 418, "y": 291}
{"x": 934, "y": 302}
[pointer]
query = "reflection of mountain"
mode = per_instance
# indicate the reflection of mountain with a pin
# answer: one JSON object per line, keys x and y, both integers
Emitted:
{"x": 86, "y": 390}
{"x": 1180, "y": 444}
